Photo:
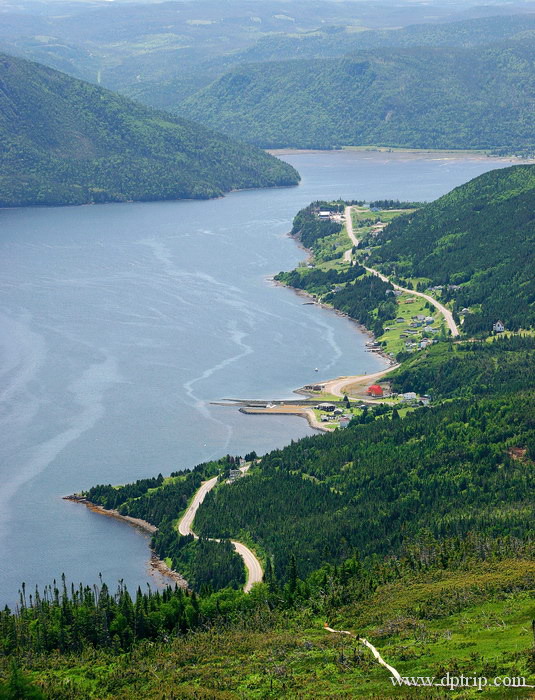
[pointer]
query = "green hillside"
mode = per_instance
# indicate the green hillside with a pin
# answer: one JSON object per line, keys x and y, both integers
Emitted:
{"x": 416, "y": 97}
{"x": 63, "y": 141}
{"x": 425, "y": 620}
{"x": 478, "y": 238}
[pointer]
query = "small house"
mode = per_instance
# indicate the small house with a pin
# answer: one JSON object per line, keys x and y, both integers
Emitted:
{"x": 498, "y": 327}
{"x": 327, "y": 407}
{"x": 375, "y": 390}
{"x": 409, "y": 396}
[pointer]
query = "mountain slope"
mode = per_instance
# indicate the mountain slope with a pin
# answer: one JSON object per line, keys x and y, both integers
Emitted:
{"x": 416, "y": 97}
{"x": 63, "y": 141}
{"x": 481, "y": 237}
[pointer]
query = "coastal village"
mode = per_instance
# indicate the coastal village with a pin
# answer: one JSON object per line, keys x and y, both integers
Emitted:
{"x": 420, "y": 321}
{"x": 331, "y": 404}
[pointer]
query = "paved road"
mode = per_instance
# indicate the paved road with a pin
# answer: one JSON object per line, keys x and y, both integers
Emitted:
{"x": 443, "y": 310}
{"x": 253, "y": 566}
{"x": 185, "y": 523}
{"x": 349, "y": 226}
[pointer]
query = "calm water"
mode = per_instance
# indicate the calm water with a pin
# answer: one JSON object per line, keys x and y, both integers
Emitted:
{"x": 120, "y": 323}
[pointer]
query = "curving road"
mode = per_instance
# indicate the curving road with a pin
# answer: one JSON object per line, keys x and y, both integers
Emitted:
{"x": 448, "y": 317}
{"x": 252, "y": 565}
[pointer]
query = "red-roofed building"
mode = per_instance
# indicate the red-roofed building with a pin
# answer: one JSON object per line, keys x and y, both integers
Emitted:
{"x": 375, "y": 390}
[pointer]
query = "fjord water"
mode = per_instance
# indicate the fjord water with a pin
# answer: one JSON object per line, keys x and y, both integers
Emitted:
{"x": 120, "y": 324}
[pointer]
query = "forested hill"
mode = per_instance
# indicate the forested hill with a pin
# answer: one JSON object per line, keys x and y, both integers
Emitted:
{"x": 479, "y": 237}
{"x": 64, "y": 141}
{"x": 411, "y": 97}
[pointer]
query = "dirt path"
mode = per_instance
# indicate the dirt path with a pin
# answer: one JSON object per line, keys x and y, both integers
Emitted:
{"x": 373, "y": 650}
{"x": 253, "y": 566}
{"x": 340, "y": 386}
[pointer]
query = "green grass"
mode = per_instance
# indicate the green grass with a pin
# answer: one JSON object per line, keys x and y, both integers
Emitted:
{"x": 393, "y": 342}
{"x": 331, "y": 248}
{"x": 476, "y": 622}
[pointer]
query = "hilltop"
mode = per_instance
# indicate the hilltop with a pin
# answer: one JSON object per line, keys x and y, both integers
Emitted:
{"x": 417, "y": 97}
{"x": 476, "y": 242}
{"x": 64, "y": 141}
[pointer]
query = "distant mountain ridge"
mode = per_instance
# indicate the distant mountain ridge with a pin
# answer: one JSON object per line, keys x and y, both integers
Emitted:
{"x": 334, "y": 41}
{"x": 475, "y": 98}
{"x": 162, "y": 53}
{"x": 64, "y": 141}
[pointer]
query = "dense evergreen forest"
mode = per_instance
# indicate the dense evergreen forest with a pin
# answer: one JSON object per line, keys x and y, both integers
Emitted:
{"x": 377, "y": 486}
{"x": 481, "y": 237}
{"x": 64, "y": 141}
{"x": 470, "y": 369}
{"x": 419, "y": 97}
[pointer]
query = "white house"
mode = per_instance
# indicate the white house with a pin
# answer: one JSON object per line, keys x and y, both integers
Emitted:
{"x": 498, "y": 327}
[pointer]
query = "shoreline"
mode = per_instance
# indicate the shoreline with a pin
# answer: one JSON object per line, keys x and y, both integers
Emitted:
{"x": 297, "y": 412}
{"x": 155, "y": 563}
{"x": 476, "y": 154}
{"x": 342, "y": 314}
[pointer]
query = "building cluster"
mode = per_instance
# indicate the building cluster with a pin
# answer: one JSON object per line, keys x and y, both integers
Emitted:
{"x": 335, "y": 413}
{"x": 440, "y": 287}
{"x": 376, "y": 391}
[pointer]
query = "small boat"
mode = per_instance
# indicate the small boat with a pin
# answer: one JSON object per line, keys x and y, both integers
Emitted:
{"x": 316, "y": 370}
